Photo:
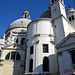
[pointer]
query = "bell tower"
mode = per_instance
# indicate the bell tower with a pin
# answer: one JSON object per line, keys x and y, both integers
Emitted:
{"x": 58, "y": 8}
{"x": 60, "y": 21}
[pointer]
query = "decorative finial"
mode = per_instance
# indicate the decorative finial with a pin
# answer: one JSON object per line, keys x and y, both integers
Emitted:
{"x": 69, "y": 6}
{"x": 26, "y": 9}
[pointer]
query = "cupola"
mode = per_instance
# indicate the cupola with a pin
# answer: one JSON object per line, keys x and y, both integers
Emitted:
{"x": 71, "y": 13}
{"x": 26, "y": 15}
{"x": 70, "y": 9}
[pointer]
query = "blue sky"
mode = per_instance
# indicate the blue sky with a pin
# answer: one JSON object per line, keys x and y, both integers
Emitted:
{"x": 10, "y": 10}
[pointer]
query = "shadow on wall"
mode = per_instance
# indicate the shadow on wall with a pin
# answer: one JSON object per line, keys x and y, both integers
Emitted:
{"x": 48, "y": 65}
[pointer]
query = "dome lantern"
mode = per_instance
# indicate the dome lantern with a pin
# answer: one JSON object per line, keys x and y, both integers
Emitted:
{"x": 26, "y": 15}
{"x": 70, "y": 9}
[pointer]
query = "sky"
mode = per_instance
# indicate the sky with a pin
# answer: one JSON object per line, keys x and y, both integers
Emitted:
{"x": 10, "y": 10}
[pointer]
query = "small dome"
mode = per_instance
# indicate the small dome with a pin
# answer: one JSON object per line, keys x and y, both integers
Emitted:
{"x": 70, "y": 9}
{"x": 23, "y": 22}
{"x": 46, "y": 14}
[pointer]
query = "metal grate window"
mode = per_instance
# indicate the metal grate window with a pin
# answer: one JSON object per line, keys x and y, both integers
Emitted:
{"x": 45, "y": 48}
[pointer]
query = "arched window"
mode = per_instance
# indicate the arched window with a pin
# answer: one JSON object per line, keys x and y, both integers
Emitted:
{"x": 55, "y": 0}
{"x": 17, "y": 40}
{"x": 46, "y": 64}
{"x": 31, "y": 65}
{"x": 13, "y": 56}
{"x": 7, "y": 35}
{"x": 52, "y": 1}
{"x": 7, "y": 56}
{"x": 18, "y": 57}
{"x": 22, "y": 41}
{"x": 31, "y": 50}
{"x": 0, "y": 54}
{"x": 72, "y": 17}
{"x": 73, "y": 57}
{"x": 25, "y": 15}
{"x": 69, "y": 18}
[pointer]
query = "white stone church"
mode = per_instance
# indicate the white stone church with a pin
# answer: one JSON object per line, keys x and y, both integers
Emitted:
{"x": 45, "y": 46}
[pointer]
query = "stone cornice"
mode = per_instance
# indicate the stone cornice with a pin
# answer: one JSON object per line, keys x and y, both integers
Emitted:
{"x": 64, "y": 40}
{"x": 70, "y": 50}
{"x": 14, "y": 44}
{"x": 12, "y": 49}
{"x": 60, "y": 17}
{"x": 14, "y": 28}
{"x": 66, "y": 45}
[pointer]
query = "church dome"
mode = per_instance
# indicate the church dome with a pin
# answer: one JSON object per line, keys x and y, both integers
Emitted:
{"x": 46, "y": 14}
{"x": 22, "y": 22}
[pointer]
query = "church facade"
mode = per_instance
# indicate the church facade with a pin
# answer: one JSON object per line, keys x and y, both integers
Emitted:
{"x": 45, "y": 46}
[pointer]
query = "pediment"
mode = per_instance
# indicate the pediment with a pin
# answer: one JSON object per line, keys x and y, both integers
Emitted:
{"x": 14, "y": 46}
{"x": 69, "y": 40}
